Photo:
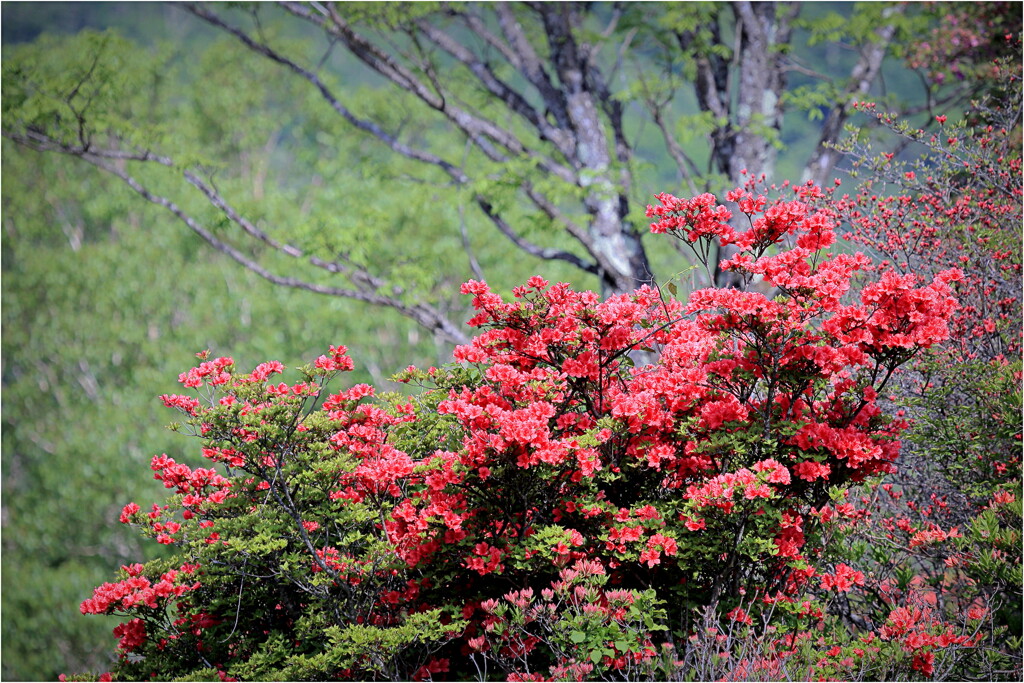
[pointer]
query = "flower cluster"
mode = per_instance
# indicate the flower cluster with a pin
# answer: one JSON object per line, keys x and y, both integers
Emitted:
{"x": 139, "y": 591}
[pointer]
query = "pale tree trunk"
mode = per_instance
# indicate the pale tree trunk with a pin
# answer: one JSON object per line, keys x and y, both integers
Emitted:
{"x": 746, "y": 151}
{"x": 745, "y": 95}
{"x": 614, "y": 244}
{"x": 869, "y": 64}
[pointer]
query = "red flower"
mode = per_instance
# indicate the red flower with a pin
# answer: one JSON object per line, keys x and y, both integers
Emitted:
{"x": 132, "y": 635}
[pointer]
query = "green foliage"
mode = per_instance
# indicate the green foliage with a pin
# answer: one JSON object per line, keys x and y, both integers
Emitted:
{"x": 41, "y": 90}
{"x": 567, "y": 621}
{"x": 971, "y": 433}
{"x": 388, "y": 16}
{"x": 992, "y": 546}
{"x": 92, "y": 332}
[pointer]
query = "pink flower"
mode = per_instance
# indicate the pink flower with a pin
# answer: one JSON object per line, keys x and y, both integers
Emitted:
{"x": 132, "y": 635}
{"x": 810, "y": 470}
{"x": 128, "y": 510}
{"x": 843, "y": 580}
{"x": 977, "y": 612}
{"x": 740, "y": 616}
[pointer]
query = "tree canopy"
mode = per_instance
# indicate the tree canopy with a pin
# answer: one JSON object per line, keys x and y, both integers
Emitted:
{"x": 544, "y": 119}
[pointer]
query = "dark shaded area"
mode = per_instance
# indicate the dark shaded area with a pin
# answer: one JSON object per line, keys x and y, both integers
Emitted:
{"x": 23, "y": 22}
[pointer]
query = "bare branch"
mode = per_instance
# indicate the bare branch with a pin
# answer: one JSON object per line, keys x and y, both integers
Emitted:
{"x": 513, "y": 99}
{"x": 530, "y": 248}
{"x": 552, "y": 212}
{"x": 529, "y": 64}
{"x": 474, "y": 265}
{"x": 863, "y": 74}
{"x": 357, "y": 275}
{"x": 476, "y": 24}
{"x": 362, "y": 124}
{"x": 473, "y": 126}
{"x": 453, "y": 171}
{"x": 687, "y": 167}
{"x": 424, "y": 314}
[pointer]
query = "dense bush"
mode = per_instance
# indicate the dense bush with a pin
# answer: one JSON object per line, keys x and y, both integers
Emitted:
{"x": 947, "y": 527}
{"x": 546, "y": 507}
{"x": 942, "y": 532}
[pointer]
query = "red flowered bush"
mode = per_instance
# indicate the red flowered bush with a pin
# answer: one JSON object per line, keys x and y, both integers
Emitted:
{"x": 554, "y": 505}
{"x": 945, "y": 530}
{"x": 547, "y": 506}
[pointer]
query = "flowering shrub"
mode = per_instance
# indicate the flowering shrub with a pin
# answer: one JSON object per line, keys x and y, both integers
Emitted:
{"x": 589, "y": 629}
{"x": 959, "y": 207}
{"x": 968, "y": 42}
{"x": 946, "y": 528}
{"x": 942, "y": 533}
{"x": 545, "y": 505}
{"x": 911, "y": 643}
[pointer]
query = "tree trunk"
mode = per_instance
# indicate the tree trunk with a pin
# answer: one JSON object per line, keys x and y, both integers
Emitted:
{"x": 747, "y": 147}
